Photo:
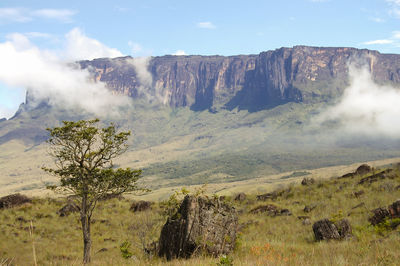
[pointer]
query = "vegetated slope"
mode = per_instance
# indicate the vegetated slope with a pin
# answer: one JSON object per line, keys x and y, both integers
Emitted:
{"x": 264, "y": 239}
{"x": 209, "y": 119}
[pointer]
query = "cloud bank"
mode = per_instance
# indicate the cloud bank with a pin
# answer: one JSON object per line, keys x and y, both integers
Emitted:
{"x": 52, "y": 75}
{"x": 366, "y": 108}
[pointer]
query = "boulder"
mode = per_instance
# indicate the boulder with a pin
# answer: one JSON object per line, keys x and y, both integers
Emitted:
{"x": 200, "y": 225}
{"x": 139, "y": 206}
{"x": 363, "y": 169}
{"x": 307, "y": 181}
{"x": 240, "y": 197}
{"x": 13, "y": 200}
{"x": 69, "y": 208}
{"x": 344, "y": 228}
{"x": 325, "y": 229}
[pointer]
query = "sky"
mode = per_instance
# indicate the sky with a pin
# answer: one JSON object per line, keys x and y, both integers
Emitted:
{"x": 51, "y": 33}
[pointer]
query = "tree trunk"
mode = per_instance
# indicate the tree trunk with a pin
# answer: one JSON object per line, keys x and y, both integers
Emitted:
{"x": 87, "y": 241}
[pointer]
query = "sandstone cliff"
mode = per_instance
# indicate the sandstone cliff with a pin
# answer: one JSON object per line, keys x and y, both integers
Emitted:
{"x": 252, "y": 82}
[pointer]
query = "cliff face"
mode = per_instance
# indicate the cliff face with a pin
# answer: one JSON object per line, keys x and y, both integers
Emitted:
{"x": 252, "y": 82}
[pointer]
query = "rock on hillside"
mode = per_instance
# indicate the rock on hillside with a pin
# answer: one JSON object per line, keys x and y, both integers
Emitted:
{"x": 201, "y": 224}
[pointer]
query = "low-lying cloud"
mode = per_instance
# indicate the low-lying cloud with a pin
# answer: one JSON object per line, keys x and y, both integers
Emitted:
{"x": 52, "y": 75}
{"x": 366, "y": 108}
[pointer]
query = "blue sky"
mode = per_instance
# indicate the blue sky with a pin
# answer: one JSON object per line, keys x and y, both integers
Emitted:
{"x": 84, "y": 29}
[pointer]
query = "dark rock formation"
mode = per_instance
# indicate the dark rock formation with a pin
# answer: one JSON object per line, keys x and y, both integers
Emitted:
{"x": 199, "y": 225}
{"x": 381, "y": 214}
{"x": 69, "y": 208}
{"x": 363, "y": 169}
{"x": 307, "y": 181}
{"x": 13, "y": 200}
{"x": 240, "y": 197}
{"x": 140, "y": 206}
{"x": 344, "y": 228}
{"x": 388, "y": 173}
{"x": 325, "y": 229}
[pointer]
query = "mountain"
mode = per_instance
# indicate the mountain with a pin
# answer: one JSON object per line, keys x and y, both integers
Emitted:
{"x": 248, "y": 82}
{"x": 198, "y": 119}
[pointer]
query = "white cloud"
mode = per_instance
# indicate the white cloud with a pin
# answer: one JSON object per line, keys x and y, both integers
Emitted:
{"x": 14, "y": 15}
{"x": 64, "y": 15}
{"x": 383, "y": 41}
{"x": 79, "y": 46}
{"x": 48, "y": 77}
{"x": 179, "y": 52}
{"x": 206, "y": 25}
{"x": 366, "y": 107}
{"x": 22, "y": 15}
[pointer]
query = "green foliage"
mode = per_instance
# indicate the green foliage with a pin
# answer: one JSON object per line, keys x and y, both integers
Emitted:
{"x": 225, "y": 261}
{"x": 387, "y": 226}
{"x": 84, "y": 155}
{"x": 170, "y": 207}
{"x": 124, "y": 248}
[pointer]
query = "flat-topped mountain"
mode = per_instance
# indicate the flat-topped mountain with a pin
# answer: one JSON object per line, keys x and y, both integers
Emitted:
{"x": 251, "y": 82}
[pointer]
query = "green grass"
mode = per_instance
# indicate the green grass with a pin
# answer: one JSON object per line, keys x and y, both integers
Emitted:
{"x": 281, "y": 240}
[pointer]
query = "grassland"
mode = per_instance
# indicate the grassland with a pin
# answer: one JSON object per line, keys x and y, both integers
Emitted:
{"x": 177, "y": 147}
{"x": 264, "y": 240}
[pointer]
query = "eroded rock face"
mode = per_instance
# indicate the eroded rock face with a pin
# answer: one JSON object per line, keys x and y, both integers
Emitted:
{"x": 201, "y": 224}
{"x": 13, "y": 200}
{"x": 380, "y": 214}
{"x": 325, "y": 229}
{"x": 251, "y": 82}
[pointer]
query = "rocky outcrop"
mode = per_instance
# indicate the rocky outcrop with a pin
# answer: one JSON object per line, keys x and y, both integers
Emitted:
{"x": 325, "y": 229}
{"x": 200, "y": 224}
{"x": 13, "y": 200}
{"x": 383, "y": 213}
{"x": 251, "y": 82}
{"x": 388, "y": 173}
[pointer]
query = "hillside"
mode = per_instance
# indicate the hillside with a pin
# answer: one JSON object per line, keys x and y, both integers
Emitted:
{"x": 265, "y": 238}
{"x": 212, "y": 119}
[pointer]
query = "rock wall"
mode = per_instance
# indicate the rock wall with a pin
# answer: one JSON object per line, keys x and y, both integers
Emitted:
{"x": 251, "y": 82}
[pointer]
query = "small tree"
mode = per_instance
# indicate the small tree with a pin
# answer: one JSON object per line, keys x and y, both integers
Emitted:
{"x": 84, "y": 155}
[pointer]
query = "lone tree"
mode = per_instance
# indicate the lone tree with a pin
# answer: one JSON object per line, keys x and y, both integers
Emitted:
{"x": 84, "y": 154}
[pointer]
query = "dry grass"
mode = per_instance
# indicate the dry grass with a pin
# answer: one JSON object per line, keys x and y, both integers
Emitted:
{"x": 281, "y": 240}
